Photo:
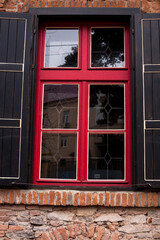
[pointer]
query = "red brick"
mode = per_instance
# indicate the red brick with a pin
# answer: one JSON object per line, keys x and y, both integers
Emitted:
{"x": 71, "y": 231}
{"x": 100, "y": 231}
{"x": 91, "y": 231}
{"x": 58, "y": 200}
{"x": 52, "y": 197}
{"x": 82, "y": 199}
{"x": 118, "y": 199}
{"x": 77, "y": 229}
{"x": 35, "y": 213}
{"x": 29, "y": 197}
{"x": 46, "y": 197}
{"x": 56, "y": 234}
{"x": 50, "y": 5}
{"x": 124, "y": 199}
{"x": 1, "y": 196}
{"x": 130, "y": 200}
{"x": 45, "y": 236}
{"x": 83, "y": 229}
{"x": 76, "y": 199}
{"x": 115, "y": 236}
{"x": 143, "y": 199}
{"x": 35, "y": 197}
{"x": 64, "y": 198}
{"x": 41, "y": 198}
{"x": 43, "y": 4}
{"x": 94, "y": 199}
{"x": 137, "y": 199}
{"x": 90, "y": 3}
{"x": 88, "y": 202}
{"x": 72, "y": 4}
{"x": 3, "y": 227}
{"x": 23, "y": 198}
{"x": 17, "y": 196}
{"x": 6, "y": 196}
{"x": 150, "y": 199}
{"x": 155, "y": 199}
{"x": 107, "y": 195}
{"x": 15, "y": 228}
{"x": 112, "y": 199}
{"x": 63, "y": 232}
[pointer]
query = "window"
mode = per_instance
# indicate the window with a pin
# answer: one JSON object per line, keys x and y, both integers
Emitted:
{"x": 83, "y": 105}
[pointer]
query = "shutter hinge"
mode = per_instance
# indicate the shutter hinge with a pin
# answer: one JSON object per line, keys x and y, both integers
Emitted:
{"x": 34, "y": 30}
{"x": 133, "y": 31}
{"x": 33, "y": 66}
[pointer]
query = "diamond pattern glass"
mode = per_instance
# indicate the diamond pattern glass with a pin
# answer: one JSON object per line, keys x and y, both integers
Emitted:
{"x": 107, "y": 47}
{"x": 106, "y": 108}
{"x": 106, "y": 156}
{"x": 57, "y": 161}
{"x": 60, "y": 106}
{"x": 61, "y": 48}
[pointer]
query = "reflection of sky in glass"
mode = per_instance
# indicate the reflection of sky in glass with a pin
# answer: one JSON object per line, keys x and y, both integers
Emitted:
{"x": 61, "y": 43}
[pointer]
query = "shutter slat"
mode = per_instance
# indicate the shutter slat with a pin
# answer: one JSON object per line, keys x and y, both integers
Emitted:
{"x": 146, "y": 44}
{"x": 2, "y": 93}
{"x": 155, "y": 42}
{"x": 9, "y": 88}
{"x": 12, "y": 32}
{"x": 17, "y": 96}
{"x": 3, "y": 39}
{"x": 20, "y": 41}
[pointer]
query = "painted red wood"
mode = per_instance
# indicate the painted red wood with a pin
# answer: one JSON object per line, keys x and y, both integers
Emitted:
{"x": 83, "y": 75}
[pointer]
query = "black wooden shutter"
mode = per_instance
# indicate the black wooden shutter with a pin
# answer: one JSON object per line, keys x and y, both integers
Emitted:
{"x": 148, "y": 101}
{"x": 15, "y": 83}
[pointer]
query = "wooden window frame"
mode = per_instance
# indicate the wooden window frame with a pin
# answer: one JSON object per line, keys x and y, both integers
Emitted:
{"x": 82, "y": 75}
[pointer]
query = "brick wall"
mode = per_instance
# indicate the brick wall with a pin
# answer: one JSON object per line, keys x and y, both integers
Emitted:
{"x": 64, "y": 215}
{"x": 24, "y": 5}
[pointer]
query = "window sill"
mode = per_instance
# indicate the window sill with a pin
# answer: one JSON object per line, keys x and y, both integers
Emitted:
{"x": 80, "y": 198}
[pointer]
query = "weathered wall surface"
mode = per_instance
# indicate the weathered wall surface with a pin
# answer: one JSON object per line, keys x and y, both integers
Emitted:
{"x": 24, "y": 5}
{"x": 64, "y": 215}
{"x": 63, "y": 223}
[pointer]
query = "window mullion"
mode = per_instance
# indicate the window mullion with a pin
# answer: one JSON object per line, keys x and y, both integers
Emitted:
{"x": 83, "y": 126}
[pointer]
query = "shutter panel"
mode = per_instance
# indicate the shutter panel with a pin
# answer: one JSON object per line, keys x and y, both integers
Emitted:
{"x": 15, "y": 44}
{"x": 149, "y": 110}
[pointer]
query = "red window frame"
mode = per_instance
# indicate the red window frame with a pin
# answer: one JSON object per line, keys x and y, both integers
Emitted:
{"x": 83, "y": 75}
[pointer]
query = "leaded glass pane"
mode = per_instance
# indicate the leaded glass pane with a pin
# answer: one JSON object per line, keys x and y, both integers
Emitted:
{"x": 106, "y": 156}
{"x": 60, "y": 106}
{"x": 59, "y": 156}
{"x": 106, "y": 108}
{"x": 107, "y": 47}
{"x": 61, "y": 48}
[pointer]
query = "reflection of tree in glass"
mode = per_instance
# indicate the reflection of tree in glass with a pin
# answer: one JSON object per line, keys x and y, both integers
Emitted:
{"x": 109, "y": 104}
{"x": 107, "y": 47}
{"x": 71, "y": 59}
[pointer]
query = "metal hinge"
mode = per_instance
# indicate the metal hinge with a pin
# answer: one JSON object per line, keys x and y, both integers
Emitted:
{"x": 133, "y": 31}
{"x": 34, "y": 30}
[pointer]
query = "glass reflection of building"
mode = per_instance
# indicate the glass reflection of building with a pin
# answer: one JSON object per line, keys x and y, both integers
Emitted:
{"x": 59, "y": 112}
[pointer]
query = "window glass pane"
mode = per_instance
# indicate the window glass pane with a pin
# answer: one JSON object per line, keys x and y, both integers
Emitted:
{"x": 60, "y": 106}
{"x": 106, "y": 156}
{"x": 107, "y": 47}
{"x": 59, "y": 161}
{"x": 106, "y": 108}
{"x": 61, "y": 48}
